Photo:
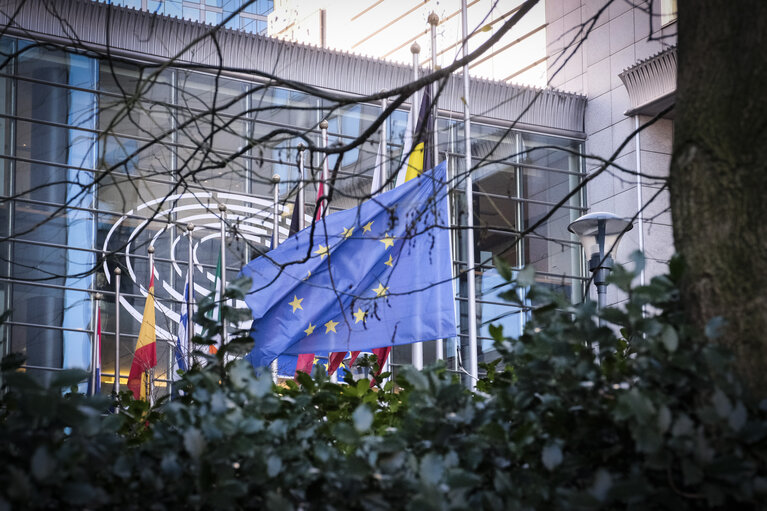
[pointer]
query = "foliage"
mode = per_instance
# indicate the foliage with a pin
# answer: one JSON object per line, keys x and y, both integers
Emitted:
{"x": 572, "y": 415}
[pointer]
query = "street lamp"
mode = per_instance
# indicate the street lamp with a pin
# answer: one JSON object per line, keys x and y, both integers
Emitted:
{"x": 600, "y": 234}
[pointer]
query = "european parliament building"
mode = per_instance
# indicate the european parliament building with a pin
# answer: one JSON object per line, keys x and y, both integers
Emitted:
{"x": 120, "y": 125}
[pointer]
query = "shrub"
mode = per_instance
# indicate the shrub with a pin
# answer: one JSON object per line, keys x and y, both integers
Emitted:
{"x": 653, "y": 418}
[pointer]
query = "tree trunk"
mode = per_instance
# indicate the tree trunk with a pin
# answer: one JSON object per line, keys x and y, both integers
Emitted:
{"x": 718, "y": 174}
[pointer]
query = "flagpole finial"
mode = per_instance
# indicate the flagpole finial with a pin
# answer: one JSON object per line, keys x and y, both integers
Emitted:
{"x": 324, "y": 124}
{"x": 190, "y": 227}
{"x": 222, "y": 207}
{"x": 415, "y": 48}
{"x": 150, "y": 249}
{"x": 433, "y": 19}
{"x": 301, "y": 148}
{"x": 117, "y": 271}
{"x": 98, "y": 296}
{"x": 276, "y": 178}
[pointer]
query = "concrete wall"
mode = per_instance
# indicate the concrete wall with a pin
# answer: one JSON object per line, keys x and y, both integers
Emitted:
{"x": 618, "y": 39}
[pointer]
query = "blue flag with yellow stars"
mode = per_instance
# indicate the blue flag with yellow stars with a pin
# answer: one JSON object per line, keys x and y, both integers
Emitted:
{"x": 372, "y": 276}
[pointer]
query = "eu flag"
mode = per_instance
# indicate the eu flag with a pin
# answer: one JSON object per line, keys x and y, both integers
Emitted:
{"x": 372, "y": 276}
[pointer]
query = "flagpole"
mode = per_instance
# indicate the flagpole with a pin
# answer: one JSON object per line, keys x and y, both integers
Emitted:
{"x": 300, "y": 203}
{"x": 382, "y": 177}
{"x": 415, "y": 49}
{"x": 95, "y": 355}
{"x": 473, "y": 371}
{"x": 275, "y": 243}
{"x": 190, "y": 298}
{"x": 222, "y": 283}
{"x": 150, "y": 371}
{"x": 434, "y": 21}
{"x": 118, "y": 275}
{"x": 325, "y": 189}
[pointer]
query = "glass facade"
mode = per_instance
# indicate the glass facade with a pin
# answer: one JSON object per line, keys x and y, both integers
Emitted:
{"x": 102, "y": 159}
{"x": 247, "y": 15}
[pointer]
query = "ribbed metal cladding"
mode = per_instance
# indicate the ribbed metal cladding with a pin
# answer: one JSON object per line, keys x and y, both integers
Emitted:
{"x": 153, "y": 37}
{"x": 651, "y": 79}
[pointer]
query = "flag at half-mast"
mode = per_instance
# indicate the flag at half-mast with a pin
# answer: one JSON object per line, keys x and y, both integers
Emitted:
{"x": 377, "y": 275}
{"x": 145, "y": 356}
{"x": 416, "y": 153}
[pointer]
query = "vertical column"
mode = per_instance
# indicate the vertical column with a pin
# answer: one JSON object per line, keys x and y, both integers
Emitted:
{"x": 470, "y": 276}
{"x": 301, "y": 199}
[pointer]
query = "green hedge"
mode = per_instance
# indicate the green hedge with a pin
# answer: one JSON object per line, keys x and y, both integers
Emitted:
{"x": 572, "y": 416}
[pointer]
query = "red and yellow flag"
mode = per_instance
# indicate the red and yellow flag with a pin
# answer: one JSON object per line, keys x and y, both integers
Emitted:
{"x": 146, "y": 348}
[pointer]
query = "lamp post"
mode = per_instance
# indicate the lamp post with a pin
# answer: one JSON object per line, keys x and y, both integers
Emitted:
{"x": 600, "y": 233}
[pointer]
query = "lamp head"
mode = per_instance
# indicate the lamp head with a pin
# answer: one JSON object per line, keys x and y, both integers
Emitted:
{"x": 599, "y": 233}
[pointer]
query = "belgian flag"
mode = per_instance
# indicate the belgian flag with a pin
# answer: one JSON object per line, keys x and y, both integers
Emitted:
{"x": 145, "y": 356}
{"x": 417, "y": 151}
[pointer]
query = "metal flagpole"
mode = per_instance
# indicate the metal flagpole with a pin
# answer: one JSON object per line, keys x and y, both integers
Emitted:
{"x": 300, "y": 203}
{"x": 325, "y": 189}
{"x": 150, "y": 371}
{"x": 95, "y": 355}
{"x": 118, "y": 274}
{"x": 190, "y": 298}
{"x": 382, "y": 176}
{"x": 473, "y": 371}
{"x": 415, "y": 49}
{"x": 434, "y": 21}
{"x": 222, "y": 283}
{"x": 275, "y": 243}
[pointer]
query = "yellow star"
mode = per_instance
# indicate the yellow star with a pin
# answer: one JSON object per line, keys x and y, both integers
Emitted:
{"x": 347, "y": 232}
{"x": 367, "y": 227}
{"x": 308, "y": 274}
{"x": 389, "y": 262}
{"x": 310, "y": 330}
{"x": 381, "y": 290}
{"x": 330, "y": 326}
{"x": 322, "y": 252}
{"x": 296, "y": 303}
{"x": 359, "y": 315}
{"x": 387, "y": 240}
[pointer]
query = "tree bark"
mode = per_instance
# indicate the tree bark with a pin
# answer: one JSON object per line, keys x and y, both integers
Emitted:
{"x": 718, "y": 177}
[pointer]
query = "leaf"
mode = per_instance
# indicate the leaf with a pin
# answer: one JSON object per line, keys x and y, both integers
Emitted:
{"x": 503, "y": 268}
{"x": 363, "y": 418}
{"x": 69, "y": 377}
{"x": 273, "y": 465}
{"x": 42, "y": 464}
{"x": 603, "y": 481}
{"x": 721, "y": 403}
{"x": 738, "y": 417}
{"x": 194, "y": 442}
{"x": 670, "y": 338}
{"x": 551, "y": 456}
{"x": 526, "y": 276}
{"x": 432, "y": 468}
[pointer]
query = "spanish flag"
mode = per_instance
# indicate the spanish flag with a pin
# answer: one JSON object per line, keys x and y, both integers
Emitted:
{"x": 145, "y": 356}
